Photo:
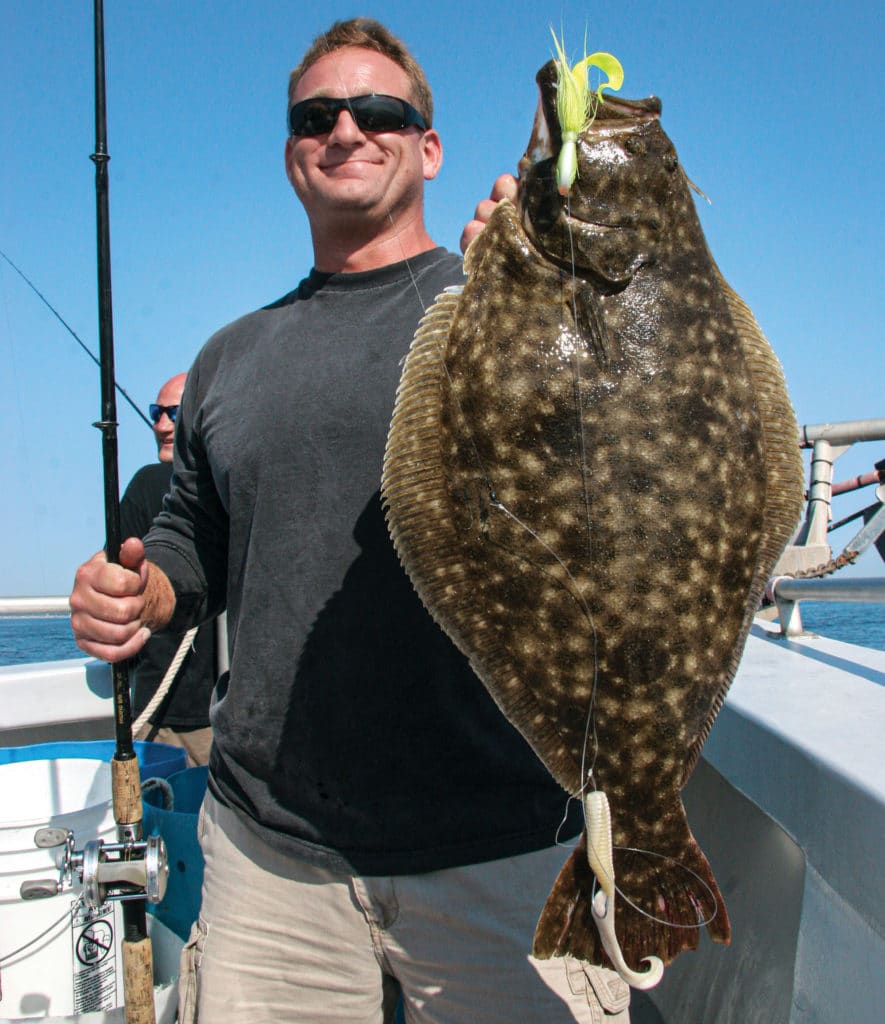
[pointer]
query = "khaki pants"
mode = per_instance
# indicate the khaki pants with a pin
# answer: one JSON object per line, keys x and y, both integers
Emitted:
{"x": 196, "y": 743}
{"x": 281, "y": 942}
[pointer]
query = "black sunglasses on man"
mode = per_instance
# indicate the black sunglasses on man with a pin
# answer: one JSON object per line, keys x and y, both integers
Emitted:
{"x": 373, "y": 113}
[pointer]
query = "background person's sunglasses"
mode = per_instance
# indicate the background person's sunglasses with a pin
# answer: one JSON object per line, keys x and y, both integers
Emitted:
{"x": 372, "y": 113}
{"x": 157, "y": 411}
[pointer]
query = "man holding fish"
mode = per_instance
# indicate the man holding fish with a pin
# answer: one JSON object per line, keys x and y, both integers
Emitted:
{"x": 374, "y": 825}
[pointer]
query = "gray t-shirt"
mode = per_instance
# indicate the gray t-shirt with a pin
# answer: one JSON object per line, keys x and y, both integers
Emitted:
{"x": 350, "y": 731}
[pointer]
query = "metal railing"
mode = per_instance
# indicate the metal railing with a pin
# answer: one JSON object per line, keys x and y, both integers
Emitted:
{"x": 810, "y": 548}
{"x": 61, "y": 606}
{"x": 787, "y": 592}
{"x": 34, "y": 606}
{"x": 828, "y": 441}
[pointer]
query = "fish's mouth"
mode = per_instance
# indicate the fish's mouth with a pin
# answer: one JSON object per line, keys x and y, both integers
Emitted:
{"x": 583, "y": 234}
{"x": 604, "y": 225}
{"x": 584, "y": 208}
{"x": 585, "y": 224}
{"x": 589, "y": 218}
{"x": 610, "y": 250}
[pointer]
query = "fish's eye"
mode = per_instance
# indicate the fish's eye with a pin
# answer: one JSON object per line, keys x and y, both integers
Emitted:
{"x": 633, "y": 145}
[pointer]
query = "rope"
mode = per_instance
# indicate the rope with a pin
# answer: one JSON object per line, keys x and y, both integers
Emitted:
{"x": 826, "y": 568}
{"x": 164, "y": 788}
{"x": 167, "y": 682}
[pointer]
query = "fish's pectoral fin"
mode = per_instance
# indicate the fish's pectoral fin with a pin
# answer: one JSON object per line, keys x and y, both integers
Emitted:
{"x": 590, "y": 324}
{"x": 472, "y": 505}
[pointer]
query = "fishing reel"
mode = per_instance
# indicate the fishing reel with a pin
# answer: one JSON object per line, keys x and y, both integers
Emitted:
{"x": 130, "y": 870}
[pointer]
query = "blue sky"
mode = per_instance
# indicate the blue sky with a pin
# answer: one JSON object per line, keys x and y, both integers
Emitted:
{"x": 774, "y": 110}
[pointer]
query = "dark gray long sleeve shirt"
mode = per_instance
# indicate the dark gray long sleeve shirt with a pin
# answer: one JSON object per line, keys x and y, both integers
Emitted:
{"x": 350, "y": 731}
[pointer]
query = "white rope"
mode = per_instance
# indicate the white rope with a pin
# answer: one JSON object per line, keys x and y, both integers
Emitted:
{"x": 168, "y": 680}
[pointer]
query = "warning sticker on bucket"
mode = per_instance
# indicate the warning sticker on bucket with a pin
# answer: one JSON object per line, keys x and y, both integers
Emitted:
{"x": 94, "y": 960}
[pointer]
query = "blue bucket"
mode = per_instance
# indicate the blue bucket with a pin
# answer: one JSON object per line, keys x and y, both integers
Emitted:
{"x": 155, "y": 760}
{"x": 178, "y": 827}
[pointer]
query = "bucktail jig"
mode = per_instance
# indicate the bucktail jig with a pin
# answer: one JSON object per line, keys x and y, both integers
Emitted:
{"x": 576, "y": 104}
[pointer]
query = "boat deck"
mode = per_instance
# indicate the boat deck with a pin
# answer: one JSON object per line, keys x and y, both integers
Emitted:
{"x": 788, "y": 802}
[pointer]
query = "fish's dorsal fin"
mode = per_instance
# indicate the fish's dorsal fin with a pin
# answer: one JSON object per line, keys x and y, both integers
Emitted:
{"x": 412, "y": 437}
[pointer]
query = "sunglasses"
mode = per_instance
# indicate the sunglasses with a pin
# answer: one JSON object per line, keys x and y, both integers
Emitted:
{"x": 157, "y": 411}
{"x": 372, "y": 113}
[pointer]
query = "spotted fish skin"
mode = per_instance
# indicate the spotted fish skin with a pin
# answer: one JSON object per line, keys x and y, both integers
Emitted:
{"x": 591, "y": 470}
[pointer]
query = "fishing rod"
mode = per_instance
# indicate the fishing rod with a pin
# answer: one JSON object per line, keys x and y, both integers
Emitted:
{"x": 126, "y": 783}
{"x": 70, "y": 331}
{"x": 132, "y": 870}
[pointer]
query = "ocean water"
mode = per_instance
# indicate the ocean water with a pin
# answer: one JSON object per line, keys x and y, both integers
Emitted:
{"x": 26, "y": 638}
{"x": 48, "y": 638}
{"x": 860, "y": 623}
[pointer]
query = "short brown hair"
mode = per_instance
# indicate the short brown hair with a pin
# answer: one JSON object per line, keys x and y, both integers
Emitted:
{"x": 370, "y": 35}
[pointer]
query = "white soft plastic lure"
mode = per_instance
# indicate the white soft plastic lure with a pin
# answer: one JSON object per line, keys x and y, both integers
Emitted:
{"x": 598, "y": 820}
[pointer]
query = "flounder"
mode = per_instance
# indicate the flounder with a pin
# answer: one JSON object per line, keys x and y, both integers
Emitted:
{"x": 591, "y": 470}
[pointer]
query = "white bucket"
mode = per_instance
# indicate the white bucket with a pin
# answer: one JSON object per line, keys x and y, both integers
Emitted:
{"x": 56, "y": 958}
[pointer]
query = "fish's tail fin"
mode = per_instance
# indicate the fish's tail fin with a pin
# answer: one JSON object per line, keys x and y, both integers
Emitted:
{"x": 662, "y": 905}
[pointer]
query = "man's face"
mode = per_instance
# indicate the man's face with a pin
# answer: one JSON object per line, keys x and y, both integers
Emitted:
{"x": 348, "y": 172}
{"x": 164, "y": 428}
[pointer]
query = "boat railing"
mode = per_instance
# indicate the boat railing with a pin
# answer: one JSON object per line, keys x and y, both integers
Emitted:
{"x": 799, "y": 574}
{"x": 34, "y": 606}
{"x": 11, "y": 606}
{"x": 809, "y": 553}
{"x": 786, "y": 593}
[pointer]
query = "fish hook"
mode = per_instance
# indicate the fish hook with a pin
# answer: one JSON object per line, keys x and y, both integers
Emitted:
{"x": 599, "y": 854}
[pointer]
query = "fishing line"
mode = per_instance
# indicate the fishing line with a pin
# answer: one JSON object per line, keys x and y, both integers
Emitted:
{"x": 701, "y": 923}
{"x": 402, "y": 249}
{"x": 591, "y": 741}
{"x": 587, "y": 773}
{"x": 28, "y": 466}
{"x": 575, "y": 591}
{"x": 71, "y": 331}
{"x": 590, "y": 726}
{"x": 21, "y": 949}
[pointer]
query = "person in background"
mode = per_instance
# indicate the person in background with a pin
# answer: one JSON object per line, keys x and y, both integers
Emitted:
{"x": 374, "y": 827}
{"x": 182, "y": 717}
